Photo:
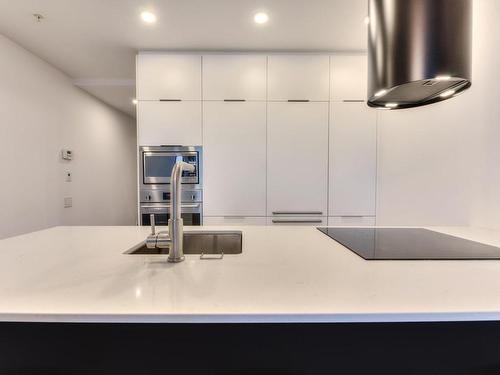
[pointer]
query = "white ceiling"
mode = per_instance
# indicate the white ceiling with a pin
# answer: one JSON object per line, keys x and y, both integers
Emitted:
{"x": 96, "y": 40}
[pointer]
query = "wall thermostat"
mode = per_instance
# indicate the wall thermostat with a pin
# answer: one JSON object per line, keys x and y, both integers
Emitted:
{"x": 66, "y": 154}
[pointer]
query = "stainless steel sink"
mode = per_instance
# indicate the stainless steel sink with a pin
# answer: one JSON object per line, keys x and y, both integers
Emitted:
{"x": 200, "y": 242}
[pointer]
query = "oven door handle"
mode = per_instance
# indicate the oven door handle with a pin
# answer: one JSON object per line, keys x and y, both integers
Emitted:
{"x": 186, "y": 205}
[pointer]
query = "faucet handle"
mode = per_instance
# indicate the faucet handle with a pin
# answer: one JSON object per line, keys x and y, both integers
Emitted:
{"x": 153, "y": 226}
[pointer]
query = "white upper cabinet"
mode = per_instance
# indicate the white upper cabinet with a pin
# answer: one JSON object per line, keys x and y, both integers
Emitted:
{"x": 169, "y": 123}
{"x": 349, "y": 77}
{"x": 170, "y": 77}
{"x": 298, "y": 77}
{"x": 297, "y": 166}
{"x": 234, "y": 77}
{"x": 353, "y": 159}
{"x": 234, "y": 150}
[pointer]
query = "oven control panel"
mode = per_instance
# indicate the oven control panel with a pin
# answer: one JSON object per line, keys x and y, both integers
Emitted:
{"x": 163, "y": 196}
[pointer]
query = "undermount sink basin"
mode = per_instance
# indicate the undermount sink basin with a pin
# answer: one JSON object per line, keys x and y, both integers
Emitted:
{"x": 200, "y": 242}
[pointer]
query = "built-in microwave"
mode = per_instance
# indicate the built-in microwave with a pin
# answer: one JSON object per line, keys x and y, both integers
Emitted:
{"x": 156, "y": 163}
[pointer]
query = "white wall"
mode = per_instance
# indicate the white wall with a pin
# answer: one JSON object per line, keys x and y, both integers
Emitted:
{"x": 486, "y": 205}
{"x": 41, "y": 112}
{"x": 439, "y": 164}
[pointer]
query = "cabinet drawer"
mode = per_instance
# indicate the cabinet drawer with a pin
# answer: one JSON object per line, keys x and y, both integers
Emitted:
{"x": 164, "y": 123}
{"x": 233, "y": 220}
{"x": 351, "y": 221}
{"x": 298, "y": 77}
{"x": 297, "y": 220}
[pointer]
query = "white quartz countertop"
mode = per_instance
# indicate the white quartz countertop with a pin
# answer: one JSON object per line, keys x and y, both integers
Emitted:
{"x": 285, "y": 274}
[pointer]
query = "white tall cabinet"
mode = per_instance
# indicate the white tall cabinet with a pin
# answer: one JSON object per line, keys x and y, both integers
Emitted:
{"x": 353, "y": 144}
{"x": 297, "y": 162}
{"x": 353, "y": 160}
{"x": 297, "y": 139}
{"x": 234, "y": 140}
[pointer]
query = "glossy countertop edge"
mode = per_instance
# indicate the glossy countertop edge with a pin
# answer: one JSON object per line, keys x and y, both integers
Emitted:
{"x": 278, "y": 318}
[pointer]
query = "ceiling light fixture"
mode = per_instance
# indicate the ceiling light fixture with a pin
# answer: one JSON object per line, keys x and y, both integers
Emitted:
{"x": 443, "y": 78}
{"x": 260, "y": 18}
{"x": 447, "y": 93}
{"x": 148, "y": 17}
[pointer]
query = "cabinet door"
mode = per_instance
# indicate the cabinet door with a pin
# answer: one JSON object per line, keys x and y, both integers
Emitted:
{"x": 234, "y": 77}
{"x": 349, "y": 77}
{"x": 351, "y": 221}
{"x": 165, "y": 76}
{"x": 353, "y": 159}
{"x": 298, "y": 77}
{"x": 229, "y": 221}
{"x": 298, "y": 220}
{"x": 297, "y": 158}
{"x": 234, "y": 137}
{"x": 169, "y": 123}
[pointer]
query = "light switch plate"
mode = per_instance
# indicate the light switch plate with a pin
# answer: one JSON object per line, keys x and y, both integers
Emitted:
{"x": 66, "y": 154}
{"x": 68, "y": 202}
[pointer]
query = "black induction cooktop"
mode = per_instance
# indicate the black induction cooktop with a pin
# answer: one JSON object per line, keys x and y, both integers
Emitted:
{"x": 409, "y": 244}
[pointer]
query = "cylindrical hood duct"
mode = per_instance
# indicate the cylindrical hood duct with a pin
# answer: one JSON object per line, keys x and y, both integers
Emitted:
{"x": 419, "y": 51}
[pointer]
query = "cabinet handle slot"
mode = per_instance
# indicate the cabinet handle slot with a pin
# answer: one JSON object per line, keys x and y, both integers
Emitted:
{"x": 276, "y": 221}
{"x": 170, "y": 100}
{"x": 319, "y": 213}
{"x": 298, "y": 100}
{"x": 235, "y": 100}
{"x": 353, "y": 101}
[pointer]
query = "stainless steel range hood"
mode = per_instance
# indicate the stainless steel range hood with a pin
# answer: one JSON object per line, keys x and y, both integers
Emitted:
{"x": 419, "y": 51}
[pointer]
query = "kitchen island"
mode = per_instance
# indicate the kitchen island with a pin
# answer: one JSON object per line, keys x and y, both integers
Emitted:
{"x": 76, "y": 284}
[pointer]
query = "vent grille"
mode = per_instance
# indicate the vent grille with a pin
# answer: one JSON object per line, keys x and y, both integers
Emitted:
{"x": 429, "y": 82}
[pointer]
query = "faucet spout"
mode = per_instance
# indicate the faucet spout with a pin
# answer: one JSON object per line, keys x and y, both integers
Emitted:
{"x": 175, "y": 223}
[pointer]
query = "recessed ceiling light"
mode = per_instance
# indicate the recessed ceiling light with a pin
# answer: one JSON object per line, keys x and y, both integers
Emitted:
{"x": 260, "y": 18}
{"x": 148, "y": 17}
{"x": 367, "y": 20}
{"x": 134, "y": 101}
{"x": 391, "y": 105}
{"x": 380, "y": 93}
{"x": 443, "y": 78}
{"x": 447, "y": 93}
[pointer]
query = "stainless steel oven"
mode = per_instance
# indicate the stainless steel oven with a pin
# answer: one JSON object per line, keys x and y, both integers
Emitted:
{"x": 190, "y": 213}
{"x": 156, "y": 164}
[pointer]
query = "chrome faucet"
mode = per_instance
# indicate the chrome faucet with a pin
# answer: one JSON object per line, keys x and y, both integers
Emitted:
{"x": 173, "y": 239}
